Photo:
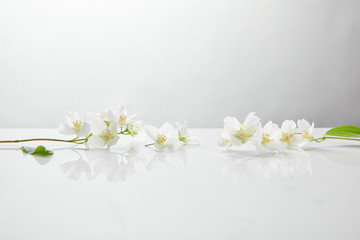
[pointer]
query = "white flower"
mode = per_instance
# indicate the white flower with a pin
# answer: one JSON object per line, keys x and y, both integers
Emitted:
{"x": 270, "y": 140}
{"x": 107, "y": 115}
{"x": 164, "y": 137}
{"x": 104, "y": 130}
{"x": 293, "y": 137}
{"x": 135, "y": 128}
{"x": 288, "y": 134}
{"x": 224, "y": 141}
{"x": 305, "y": 130}
{"x": 74, "y": 125}
{"x": 122, "y": 117}
{"x": 184, "y": 135}
{"x": 240, "y": 133}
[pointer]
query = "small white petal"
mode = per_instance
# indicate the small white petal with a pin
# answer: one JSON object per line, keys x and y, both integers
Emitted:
{"x": 252, "y": 122}
{"x": 151, "y": 131}
{"x": 96, "y": 141}
{"x": 297, "y": 141}
{"x": 166, "y": 128}
{"x": 66, "y": 130}
{"x": 112, "y": 141}
{"x": 122, "y": 110}
{"x": 231, "y": 124}
{"x": 288, "y": 126}
{"x": 303, "y": 125}
{"x": 85, "y": 130}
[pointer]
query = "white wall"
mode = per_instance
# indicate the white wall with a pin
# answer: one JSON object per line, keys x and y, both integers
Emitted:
{"x": 198, "y": 60}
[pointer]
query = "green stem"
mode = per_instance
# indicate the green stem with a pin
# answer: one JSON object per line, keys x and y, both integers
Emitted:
{"x": 75, "y": 140}
{"x": 321, "y": 139}
{"x": 150, "y": 144}
{"x": 342, "y": 138}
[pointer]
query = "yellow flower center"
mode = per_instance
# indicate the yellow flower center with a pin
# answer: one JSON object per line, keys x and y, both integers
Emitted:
{"x": 122, "y": 118}
{"x": 107, "y": 135}
{"x": 103, "y": 115}
{"x": 77, "y": 125}
{"x": 161, "y": 138}
{"x": 286, "y": 137}
{"x": 243, "y": 133}
{"x": 305, "y": 134}
{"x": 224, "y": 141}
{"x": 266, "y": 138}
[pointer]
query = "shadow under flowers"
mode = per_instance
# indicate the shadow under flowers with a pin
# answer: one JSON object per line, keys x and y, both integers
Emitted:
{"x": 252, "y": 167}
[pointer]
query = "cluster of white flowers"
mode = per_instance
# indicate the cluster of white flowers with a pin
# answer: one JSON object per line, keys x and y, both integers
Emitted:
{"x": 268, "y": 138}
{"x": 168, "y": 137}
{"x": 103, "y": 129}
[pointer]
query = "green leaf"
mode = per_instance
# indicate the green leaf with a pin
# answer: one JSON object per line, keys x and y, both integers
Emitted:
{"x": 107, "y": 123}
{"x": 344, "y": 131}
{"x": 39, "y": 151}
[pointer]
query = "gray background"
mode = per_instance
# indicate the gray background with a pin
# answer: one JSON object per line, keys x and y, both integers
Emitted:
{"x": 195, "y": 60}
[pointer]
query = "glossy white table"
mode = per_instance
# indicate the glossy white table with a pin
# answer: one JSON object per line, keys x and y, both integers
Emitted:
{"x": 195, "y": 193}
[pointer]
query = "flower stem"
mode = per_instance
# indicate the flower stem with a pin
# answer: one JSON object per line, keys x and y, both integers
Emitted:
{"x": 150, "y": 144}
{"x": 321, "y": 139}
{"x": 75, "y": 140}
{"x": 343, "y": 138}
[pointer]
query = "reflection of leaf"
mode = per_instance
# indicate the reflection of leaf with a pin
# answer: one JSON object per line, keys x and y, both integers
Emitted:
{"x": 344, "y": 131}
{"x": 39, "y": 151}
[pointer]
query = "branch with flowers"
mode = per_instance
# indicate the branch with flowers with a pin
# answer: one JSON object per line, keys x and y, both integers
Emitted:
{"x": 272, "y": 138}
{"x": 100, "y": 130}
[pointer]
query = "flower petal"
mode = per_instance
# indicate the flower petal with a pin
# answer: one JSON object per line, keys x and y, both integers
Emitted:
{"x": 85, "y": 130}
{"x": 288, "y": 126}
{"x": 112, "y": 141}
{"x": 231, "y": 124}
{"x": 166, "y": 128}
{"x": 151, "y": 131}
{"x": 303, "y": 125}
{"x": 96, "y": 141}
{"x": 66, "y": 129}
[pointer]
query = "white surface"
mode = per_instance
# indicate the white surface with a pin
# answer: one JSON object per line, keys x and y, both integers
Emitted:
{"x": 206, "y": 196}
{"x": 194, "y": 60}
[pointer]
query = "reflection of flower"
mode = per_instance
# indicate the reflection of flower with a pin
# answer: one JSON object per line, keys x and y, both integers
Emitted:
{"x": 74, "y": 169}
{"x": 294, "y": 162}
{"x": 224, "y": 141}
{"x": 118, "y": 166}
{"x": 254, "y": 167}
{"x": 104, "y": 161}
{"x": 168, "y": 159}
{"x": 74, "y": 124}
